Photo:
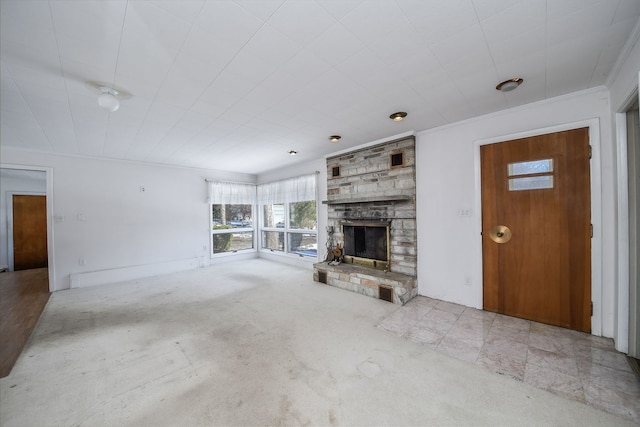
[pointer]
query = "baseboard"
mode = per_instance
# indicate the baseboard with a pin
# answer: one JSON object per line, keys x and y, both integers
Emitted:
{"x": 298, "y": 261}
{"x": 102, "y": 277}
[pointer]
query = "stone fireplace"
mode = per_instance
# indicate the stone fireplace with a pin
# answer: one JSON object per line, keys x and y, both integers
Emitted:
{"x": 371, "y": 211}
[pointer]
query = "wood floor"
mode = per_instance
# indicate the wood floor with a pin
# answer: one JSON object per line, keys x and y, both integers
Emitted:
{"x": 23, "y": 296}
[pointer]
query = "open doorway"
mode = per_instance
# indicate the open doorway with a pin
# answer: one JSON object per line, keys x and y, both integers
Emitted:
{"x": 25, "y": 281}
{"x": 23, "y": 219}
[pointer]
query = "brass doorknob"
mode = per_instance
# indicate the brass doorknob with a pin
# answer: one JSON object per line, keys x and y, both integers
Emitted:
{"x": 500, "y": 234}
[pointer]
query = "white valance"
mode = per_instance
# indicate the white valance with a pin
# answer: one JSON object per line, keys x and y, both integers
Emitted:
{"x": 290, "y": 190}
{"x": 230, "y": 193}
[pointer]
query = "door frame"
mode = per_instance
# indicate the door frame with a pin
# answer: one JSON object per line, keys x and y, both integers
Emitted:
{"x": 596, "y": 208}
{"x": 10, "y": 249}
{"x": 50, "y": 238}
{"x": 622, "y": 328}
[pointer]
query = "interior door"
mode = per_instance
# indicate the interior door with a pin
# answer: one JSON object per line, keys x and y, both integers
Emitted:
{"x": 536, "y": 228}
{"x": 29, "y": 232}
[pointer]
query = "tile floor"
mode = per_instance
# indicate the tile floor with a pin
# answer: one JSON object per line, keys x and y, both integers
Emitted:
{"x": 572, "y": 364}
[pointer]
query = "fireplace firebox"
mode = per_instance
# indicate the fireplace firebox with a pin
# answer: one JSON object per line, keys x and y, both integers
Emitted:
{"x": 367, "y": 243}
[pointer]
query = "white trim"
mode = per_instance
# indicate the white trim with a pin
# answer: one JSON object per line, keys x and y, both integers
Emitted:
{"x": 621, "y": 331}
{"x": 284, "y": 258}
{"x": 114, "y": 275}
{"x": 50, "y": 235}
{"x": 596, "y": 208}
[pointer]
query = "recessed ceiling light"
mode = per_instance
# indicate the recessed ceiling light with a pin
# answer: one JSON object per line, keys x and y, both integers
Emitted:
{"x": 397, "y": 117}
{"x": 335, "y": 138}
{"x": 293, "y": 152}
{"x": 509, "y": 85}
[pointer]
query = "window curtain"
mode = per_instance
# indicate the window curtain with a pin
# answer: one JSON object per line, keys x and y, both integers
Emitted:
{"x": 290, "y": 190}
{"x": 229, "y": 193}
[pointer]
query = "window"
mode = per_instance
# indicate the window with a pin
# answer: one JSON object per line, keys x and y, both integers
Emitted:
{"x": 232, "y": 227}
{"x": 273, "y": 218}
{"x": 532, "y": 175}
{"x": 289, "y": 216}
{"x": 232, "y": 213}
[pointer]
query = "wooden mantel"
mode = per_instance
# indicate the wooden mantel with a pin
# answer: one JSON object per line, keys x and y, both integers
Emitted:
{"x": 350, "y": 200}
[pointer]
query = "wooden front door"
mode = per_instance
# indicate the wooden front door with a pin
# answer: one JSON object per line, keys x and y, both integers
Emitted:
{"x": 536, "y": 228}
{"x": 29, "y": 232}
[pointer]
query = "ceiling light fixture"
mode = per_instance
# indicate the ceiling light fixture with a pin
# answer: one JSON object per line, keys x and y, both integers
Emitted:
{"x": 108, "y": 100}
{"x": 293, "y": 152}
{"x": 397, "y": 117}
{"x": 509, "y": 85}
{"x": 335, "y": 138}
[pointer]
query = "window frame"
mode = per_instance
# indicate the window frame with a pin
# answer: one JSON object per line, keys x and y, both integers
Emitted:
{"x": 234, "y": 230}
{"x": 286, "y": 230}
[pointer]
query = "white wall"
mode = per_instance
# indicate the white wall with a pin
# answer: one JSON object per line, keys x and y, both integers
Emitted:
{"x": 449, "y": 245}
{"x": 101, "y": 218}
{"x": 12, "y": 181}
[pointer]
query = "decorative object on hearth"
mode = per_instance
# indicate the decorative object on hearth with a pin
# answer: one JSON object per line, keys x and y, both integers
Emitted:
{"x": 329, "y": 245}
{"x": 337, "y": 255}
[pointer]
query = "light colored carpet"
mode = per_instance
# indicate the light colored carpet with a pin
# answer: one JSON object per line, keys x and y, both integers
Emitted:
{"x": 251, "y": 343}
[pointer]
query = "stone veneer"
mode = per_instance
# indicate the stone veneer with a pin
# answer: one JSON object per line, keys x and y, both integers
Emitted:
{"x": 368, "y": 188}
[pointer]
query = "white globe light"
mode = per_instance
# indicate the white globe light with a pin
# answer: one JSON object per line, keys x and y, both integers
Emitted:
{"x": 108, "y": 101}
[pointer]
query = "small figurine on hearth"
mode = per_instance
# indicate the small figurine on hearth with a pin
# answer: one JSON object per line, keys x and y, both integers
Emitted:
{"x": 337, "y": 255}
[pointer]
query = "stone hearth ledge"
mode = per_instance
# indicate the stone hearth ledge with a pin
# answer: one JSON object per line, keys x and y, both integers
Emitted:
{"x": 366, "y": 281}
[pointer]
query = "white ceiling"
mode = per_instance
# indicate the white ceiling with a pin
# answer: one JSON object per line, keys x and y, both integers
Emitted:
{"x": 234, "y": 85}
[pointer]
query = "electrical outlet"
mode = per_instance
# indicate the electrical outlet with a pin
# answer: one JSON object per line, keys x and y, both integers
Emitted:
{"x": 464, "y": 212}
{"x": 143, "y": 189}
{"x": 467, "y": 281}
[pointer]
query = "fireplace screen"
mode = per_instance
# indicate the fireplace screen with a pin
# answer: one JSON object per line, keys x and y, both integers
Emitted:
{"x": 366, "y": 243}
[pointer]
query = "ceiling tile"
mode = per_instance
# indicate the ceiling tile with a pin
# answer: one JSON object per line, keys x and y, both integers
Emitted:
{"x": 401, "y": 43}
{"x": 262, "y": 9}
{"x": 512, "y": 22}
{"x": 271, "y": 46}
{"x": 454, "y": 49}
{"x": 436, "y": 21}
{"x": 373, "y": 20}
{"x": 156, "y": 26}
{"x": 187, "y": 10}
{"x": 229, "y": 22}
{"x": 335, "y": 45}
{"x": 302, "y": 21}
{"x": 339, "y": 8}
{"x": 579, "y": 22}
{"x": 99, "y": 53}
{"x": 28, "y": 25}
{"x": 485, "y": 9}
